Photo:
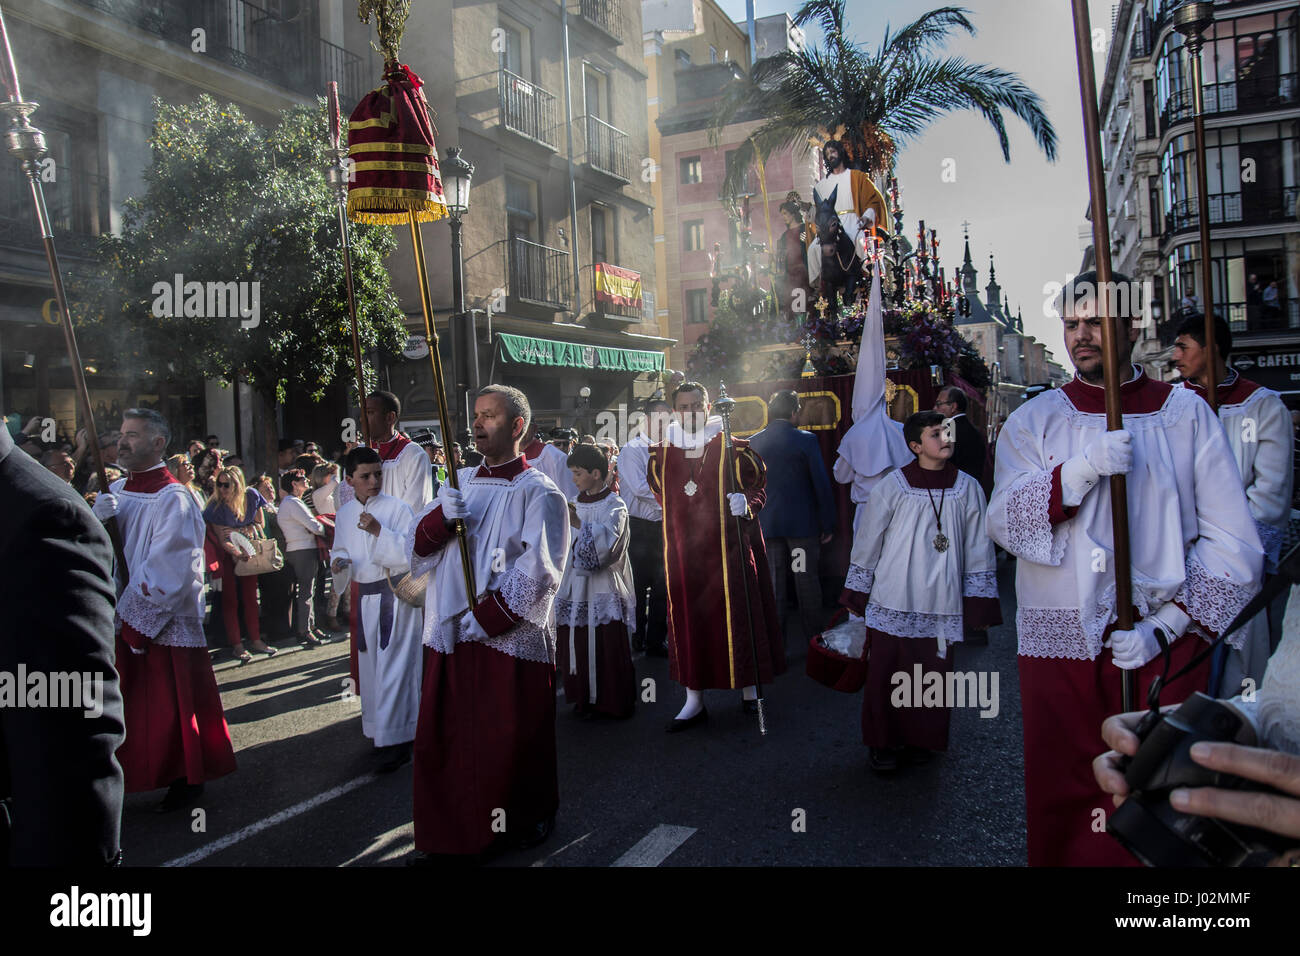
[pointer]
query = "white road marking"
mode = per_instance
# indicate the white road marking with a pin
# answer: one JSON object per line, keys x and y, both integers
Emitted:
{"x": 266, "y": 823}
{"x": 656, "y": 846}
{"x": 542, "y": 861}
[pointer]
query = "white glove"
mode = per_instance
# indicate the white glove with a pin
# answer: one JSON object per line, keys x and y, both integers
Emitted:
{"x": 1109, "y": 454}
{"x": 105, "y": 506}
{"x": 452, "y": 501}
{"x": 1131, "y": 649}
{"x": 738, "y": 504}
{"x": 470, "y": 628}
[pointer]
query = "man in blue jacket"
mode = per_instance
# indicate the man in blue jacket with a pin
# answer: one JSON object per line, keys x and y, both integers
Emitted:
{"x": 800, "y": 513}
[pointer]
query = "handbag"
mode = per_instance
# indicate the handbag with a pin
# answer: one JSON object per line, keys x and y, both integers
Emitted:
{"x": 409, "y": 588}
{"x": 266, "y": 560}
{"x": 832, "y": 669}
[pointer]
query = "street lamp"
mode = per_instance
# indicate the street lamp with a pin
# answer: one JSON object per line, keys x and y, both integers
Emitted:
{"x": 457, "y": 174}
{"x": 1191, "y": 20}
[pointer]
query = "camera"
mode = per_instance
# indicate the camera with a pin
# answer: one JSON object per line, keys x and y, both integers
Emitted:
{"x": 1156, "y": 833}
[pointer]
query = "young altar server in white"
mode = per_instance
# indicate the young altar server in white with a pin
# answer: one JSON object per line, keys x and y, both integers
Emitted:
{"x": 370, "y": 548}
{"x": 922, "y": 570}
{"x": 595, "y": 609}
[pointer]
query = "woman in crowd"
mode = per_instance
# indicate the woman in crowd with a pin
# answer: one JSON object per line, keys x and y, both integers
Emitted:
{"x": 300, "y": 531}
{"x": 182, "y": 470}
{"x": 232, "y": 508}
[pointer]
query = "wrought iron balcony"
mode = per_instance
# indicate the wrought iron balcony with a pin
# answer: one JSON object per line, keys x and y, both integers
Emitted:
{"x": 248, "y": 37}
{"x": 1255, "y": 94}
{"x": 77, "y": 204}
{"x": 1263, "y": 205}
{"x": 528, "y": 110}
{"x": 539, "y": 275}
{"x": 606, "y": 15}
{"x": 608, "y": 150}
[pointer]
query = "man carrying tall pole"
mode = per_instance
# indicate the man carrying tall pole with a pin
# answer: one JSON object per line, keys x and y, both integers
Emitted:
{"x": 1193, "y": 561}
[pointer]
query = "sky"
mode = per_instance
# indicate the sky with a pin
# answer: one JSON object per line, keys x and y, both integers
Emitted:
{"x": 1027, "y": 212}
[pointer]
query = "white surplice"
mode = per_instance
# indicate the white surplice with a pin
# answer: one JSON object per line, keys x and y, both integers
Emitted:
{"x": 388, "y": 666}
{"x": 554, "y": 464}
{"x": 162, "y": 540}
{"x": 1260, "y": 434}
{"x": 597, "y": 587}
{"x": 1191, "y": 535}
{"x": 915, "y": 590}
{"x": 518, "y": 531}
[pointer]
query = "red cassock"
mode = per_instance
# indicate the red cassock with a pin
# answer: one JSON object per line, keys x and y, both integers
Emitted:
{"x": 175, "y": 725}
{"x": 615, "y": 673}
{"x": 708, "y": 567}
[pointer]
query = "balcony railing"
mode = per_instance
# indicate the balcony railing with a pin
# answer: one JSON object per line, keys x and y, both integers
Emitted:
{"x": 1142, "y": 34}
{"x": 539, "y": 274}
{"x": 605, "y": 14}
{"x": 250, "y": 38}
{"x": 1277, "y": 91}
{"x": 1265, "y": 205}
{"x": 1242, "y": 317}
{"x": 528, "y": 110}
{"x": 77, "y": 204}
{"x": 608, "y": 149}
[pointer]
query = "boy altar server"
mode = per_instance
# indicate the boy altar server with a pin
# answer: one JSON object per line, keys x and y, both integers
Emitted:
{"x": 370, "y": 548}
{"x": 922, "y": 571}
{"x": 596, "y": 607}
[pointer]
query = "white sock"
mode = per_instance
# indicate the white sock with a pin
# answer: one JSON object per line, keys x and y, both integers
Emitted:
{"x": 750, "y": 692}
{"x": 694, "y": 704}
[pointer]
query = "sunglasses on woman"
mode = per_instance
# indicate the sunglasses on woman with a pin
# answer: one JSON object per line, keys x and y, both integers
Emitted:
{"x": 223, "y": 484}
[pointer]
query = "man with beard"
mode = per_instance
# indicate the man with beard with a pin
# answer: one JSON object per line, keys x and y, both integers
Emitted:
{"x": 176, "y": 733}
{"x": 1195, "y": 556}
{"x": 858, "y": 204}
{"x": 485, "y": 764}
{"x": 710, "y": 568}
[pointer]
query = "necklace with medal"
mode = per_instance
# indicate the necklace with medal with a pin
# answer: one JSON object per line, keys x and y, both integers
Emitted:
{"x": 940, "y": 539}
{"x": 691, "y": 487}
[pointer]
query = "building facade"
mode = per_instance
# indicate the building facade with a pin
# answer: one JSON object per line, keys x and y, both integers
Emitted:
{"x": 558, "y": 241}
{"x": 264, "y": 57}
{"x": 1252, "y": 118}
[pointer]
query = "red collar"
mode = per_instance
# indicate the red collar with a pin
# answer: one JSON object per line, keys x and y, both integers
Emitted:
{"x": 388, "y": 450}
{"x": 147, "y": 482}
{"x": 1233, "y": 390}
{"x": 919, "y": 477}
{"x": 1141, "y": 396}
{"x": 601, "y": 495}
{"x": 534, "y": 449}
{"x": 508, "y": 471}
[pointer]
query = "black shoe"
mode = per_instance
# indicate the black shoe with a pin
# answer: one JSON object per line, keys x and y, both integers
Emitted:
{"x": 394, "y": 758}
{"x": 657, "y": 650}
{"x": 677, "y": 726}
{"x": 882, "y": 759}
{"x": 536, "y": 835}
{"x": 917, "y": 756}
{"x": 179, "y": 794}
{"x": 311, "y": 640}
{"x": 749, "y": 707}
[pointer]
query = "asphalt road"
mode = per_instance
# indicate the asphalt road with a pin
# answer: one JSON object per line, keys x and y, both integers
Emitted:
{"x": 305, "y": 793}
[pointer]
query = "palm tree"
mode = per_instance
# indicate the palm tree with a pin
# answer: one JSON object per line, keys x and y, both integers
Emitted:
{"x": 871, "y": 101}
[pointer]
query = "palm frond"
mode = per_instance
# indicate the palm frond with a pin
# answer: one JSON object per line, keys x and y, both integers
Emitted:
{"x": 925, "y": 32}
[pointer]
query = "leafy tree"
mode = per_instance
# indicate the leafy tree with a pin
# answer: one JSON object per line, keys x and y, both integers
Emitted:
{"x": 227, "y": 201}
{"x": 873, "y": 101}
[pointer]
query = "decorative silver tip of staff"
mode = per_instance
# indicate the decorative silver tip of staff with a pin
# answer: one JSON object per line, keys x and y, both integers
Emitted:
{"x": 762, "y": 718}
{"x": 22, "y": 139}
{"x": 725, "y": 402}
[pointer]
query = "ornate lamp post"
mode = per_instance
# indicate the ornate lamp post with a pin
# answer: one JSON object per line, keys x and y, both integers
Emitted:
{"x": 457, "y": 174}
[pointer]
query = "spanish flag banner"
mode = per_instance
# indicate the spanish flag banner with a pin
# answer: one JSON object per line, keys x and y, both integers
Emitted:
{"x": 618, "y": 286}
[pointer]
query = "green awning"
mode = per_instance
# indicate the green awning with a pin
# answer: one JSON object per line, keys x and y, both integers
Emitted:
{"x": 526, "y": 350}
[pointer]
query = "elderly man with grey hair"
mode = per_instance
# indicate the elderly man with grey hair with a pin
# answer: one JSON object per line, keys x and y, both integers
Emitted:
{"x": 176, "y": 733}
{"x": 485, "y": 761}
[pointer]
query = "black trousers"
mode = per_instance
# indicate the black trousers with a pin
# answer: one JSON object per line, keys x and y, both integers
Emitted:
{"x": 646, "y": 550}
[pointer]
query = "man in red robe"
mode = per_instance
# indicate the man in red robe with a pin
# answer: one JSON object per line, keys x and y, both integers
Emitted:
{"x": 709, "y": 567}
{"x": 176, "y": 733}
{"x": 485, "y": 762}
